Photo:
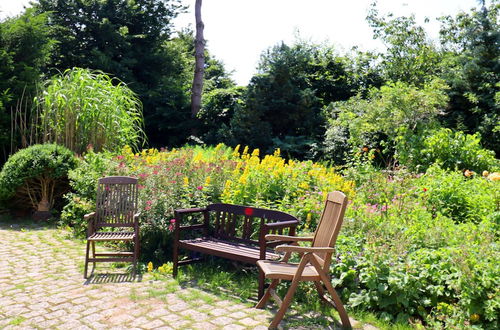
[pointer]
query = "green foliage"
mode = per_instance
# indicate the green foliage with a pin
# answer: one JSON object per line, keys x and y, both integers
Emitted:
{"x": 36, "y": 175}
{"x": 405, "y": 254}
{"x": 80, "y": 108}
{"x": 450, "y": 150}
{"x": 472, "y": 42}
{"x": 25, "y": 47}
{"x": 389, "y": 118}
{"x": 284, "y": 100}
{"x": 410, "y": 56}
{"x": 218, "y": 107}
{"x": 458, "y": 197}
{"x": 129, "y": 40}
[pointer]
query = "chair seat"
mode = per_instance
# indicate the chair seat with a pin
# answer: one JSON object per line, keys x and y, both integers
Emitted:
{"x": 112, "y": 236}
{"x": 286, "y": 271}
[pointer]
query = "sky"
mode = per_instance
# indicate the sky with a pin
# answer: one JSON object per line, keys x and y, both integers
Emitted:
{"x": 238, "y": 31}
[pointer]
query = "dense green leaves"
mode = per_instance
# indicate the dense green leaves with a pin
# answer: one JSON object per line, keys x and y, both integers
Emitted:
{"x": 25, "y": 48}
{"x": 472, "y": 41}
{"x": 80, "y": 108}
{"x": 36, "y": 175}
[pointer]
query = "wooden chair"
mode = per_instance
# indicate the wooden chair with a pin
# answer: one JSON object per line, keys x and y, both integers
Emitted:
{"x": 314, "y": 264}
{"x": 115, "y": 219}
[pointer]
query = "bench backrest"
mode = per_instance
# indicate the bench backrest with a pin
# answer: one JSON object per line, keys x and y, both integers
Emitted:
{"x": 241, "y": 223}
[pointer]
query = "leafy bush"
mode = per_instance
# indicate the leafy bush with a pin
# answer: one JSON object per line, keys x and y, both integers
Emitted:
{"x": 36, "y": 175}
{"x": 452, "y": 151}
{"x": 82, "y": 107}
{"x": 458, "y": 197}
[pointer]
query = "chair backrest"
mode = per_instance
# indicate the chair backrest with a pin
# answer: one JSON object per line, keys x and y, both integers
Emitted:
{"x": 329, "y": 224}
{"x": 116, "y": 201}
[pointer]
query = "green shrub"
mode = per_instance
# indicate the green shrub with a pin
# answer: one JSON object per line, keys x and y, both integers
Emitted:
{"x": 36, "y": 176}
{"x": 452, "y": 151}
{"x": 458, "y": 197}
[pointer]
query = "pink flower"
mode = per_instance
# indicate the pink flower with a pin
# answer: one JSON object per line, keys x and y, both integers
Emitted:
{"x": 147, "y": 208}
{"x": 140, "y": 186}
{"x": 143, "y": 175}
{"x": 172, "y": 220}
{"x": 120, "y": 157}
{"x": 149, "y": 202}
{"x": 155, "y": 172}
{"x": 199, "y": 187}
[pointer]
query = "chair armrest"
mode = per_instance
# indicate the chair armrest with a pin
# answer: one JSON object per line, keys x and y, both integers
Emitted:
{"x": 303, "y": 249}
{"x": 137, "y": 215}
{"x": 89, "y": 216}
{"x": 273, "y": 237}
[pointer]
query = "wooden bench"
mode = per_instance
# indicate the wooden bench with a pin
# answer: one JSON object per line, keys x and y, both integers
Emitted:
{"x": 229, "y": 231}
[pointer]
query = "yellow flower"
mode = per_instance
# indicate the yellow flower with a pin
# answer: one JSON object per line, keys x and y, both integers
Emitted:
{"x": 474, "y": 317}
{"x": 486, "y": 173}
{"x": 150, "y": 267}
{"x": 207, "y": 181}
{"x": 186, "y": 181}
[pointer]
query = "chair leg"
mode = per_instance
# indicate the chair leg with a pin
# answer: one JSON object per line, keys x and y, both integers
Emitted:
{"x": 87, "y": 251}
{"x": 262, "y": 279}
{"x": 136, "y": 256}
{"x": 284, "y": 305}
{"x": 262, "y": 302}
{"x": 338, "y": 303}
{"x": 321, "y": 291}
{"x": 93, "y": 254}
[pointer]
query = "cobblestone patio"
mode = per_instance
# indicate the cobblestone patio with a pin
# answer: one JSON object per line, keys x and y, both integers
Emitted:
{"x": 42, "y": 286}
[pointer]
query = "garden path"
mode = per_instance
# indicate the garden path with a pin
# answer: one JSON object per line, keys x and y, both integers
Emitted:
{"x": 41, "y": 286}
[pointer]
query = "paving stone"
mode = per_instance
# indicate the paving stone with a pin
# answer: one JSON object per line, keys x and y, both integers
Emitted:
{"x": 238, "y": 315}
{"x": 222, "y": 320}
{"x": 218, "y": 312}
{"x": 249, "y": 322}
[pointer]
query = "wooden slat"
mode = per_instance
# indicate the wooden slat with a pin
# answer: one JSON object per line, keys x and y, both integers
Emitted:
{"x": 112, "y": 236}
{"x": 225, "y": 249}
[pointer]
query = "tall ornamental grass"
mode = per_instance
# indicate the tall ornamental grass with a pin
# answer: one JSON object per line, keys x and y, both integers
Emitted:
{"x": 81, "y": 107}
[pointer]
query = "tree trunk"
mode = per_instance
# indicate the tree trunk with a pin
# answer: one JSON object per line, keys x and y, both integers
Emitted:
{"x": 199, "y": 62}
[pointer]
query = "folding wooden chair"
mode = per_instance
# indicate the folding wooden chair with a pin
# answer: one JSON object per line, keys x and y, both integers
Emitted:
{"x": 314, "y": 264}
{"x": 115, "y": 219}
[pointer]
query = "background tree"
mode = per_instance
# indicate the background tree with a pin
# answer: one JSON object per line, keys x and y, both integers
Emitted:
{"x": 199, "y": 62}
{"x": 284, "y": 100}
{"x": 25, "y": 47}
{"x": 130, "y": 40}
{"x": 472, "y": 42}
{"x": 409, "y": 56}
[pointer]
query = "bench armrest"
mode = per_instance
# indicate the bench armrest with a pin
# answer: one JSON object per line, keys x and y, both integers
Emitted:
{"x": 89, "y": 216}
{"x": 281, "y": 224}
{"x": 303, "y": 249}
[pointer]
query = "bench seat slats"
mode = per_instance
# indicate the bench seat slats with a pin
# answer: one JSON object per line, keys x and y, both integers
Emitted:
{"x": 226, "y": 249}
